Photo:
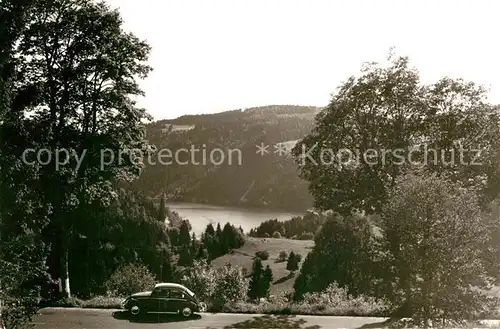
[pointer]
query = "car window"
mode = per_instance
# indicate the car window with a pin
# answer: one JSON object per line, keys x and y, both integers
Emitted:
{"x": 176, "y": 294}
{"x": 161, "y": 292}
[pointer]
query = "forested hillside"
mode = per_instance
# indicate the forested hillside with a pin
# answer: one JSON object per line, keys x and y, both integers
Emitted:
{"x": 269, "y": 180}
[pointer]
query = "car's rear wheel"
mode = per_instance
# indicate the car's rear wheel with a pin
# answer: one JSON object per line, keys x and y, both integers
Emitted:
{"x": 135, "y": 310}
{"x": 186, "y": 312}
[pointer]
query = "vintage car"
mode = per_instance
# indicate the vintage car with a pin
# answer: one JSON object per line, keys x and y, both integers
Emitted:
{"x": 165, "y": 298}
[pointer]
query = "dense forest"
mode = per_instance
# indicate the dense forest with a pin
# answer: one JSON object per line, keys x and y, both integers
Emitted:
{"x": 269, "y": 181}
{"x": 299, "y": 228}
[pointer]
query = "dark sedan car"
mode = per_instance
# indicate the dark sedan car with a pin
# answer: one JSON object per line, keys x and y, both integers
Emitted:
{"x": 165, "y": 298}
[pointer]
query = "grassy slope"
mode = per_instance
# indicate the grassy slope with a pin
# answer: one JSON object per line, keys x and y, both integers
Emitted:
{"x": 244, "y": 257}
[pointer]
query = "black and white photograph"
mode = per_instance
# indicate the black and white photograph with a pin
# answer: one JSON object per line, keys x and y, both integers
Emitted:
{"x": 249, "y": 164}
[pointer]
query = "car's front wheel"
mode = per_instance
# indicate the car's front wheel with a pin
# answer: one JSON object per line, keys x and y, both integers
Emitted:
{"x": 186, "y": 312}
{"x": 135, "y": 310}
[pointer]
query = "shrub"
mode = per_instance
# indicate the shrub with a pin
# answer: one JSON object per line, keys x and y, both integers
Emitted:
{"x": 282, "y": 256}
{"x": 434, "y": 230}
{"x": 277, "y": 235}
{"x": 331, "y": 301}
{"x": 130, "y": 279}
{"x": 102, "y": 302}
{"x": 218, "y": 288}
{"x": 266, "y": 235}
{"x": 262, "y": 254}
{"x": 200, "y": 278}
{"x": 22, "y": 275}
{"x": 231, "y": 287}
{"x": 306, "y": 236}
{"x": 336, "y": 300}
{"x": 293, "y": 262}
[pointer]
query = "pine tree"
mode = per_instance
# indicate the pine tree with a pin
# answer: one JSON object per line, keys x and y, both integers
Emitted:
{"x": 185, "y": 258}
{"x": 218, "y": 231}
{"x": 184, "y": 236}
{"x": 201, "y": 253}
{"x": 162, "y": 211}
{"x": 194, "y": 243}
{"x": 210, "y": 230}
{"x": 255, "y": 287}
{"x": 293, "y": 262}
{"x": 267, "y": 280}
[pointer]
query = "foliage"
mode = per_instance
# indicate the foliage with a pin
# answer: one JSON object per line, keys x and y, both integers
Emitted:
{"x": 129, "y": 279}
{"x": 335, "y": 297}
{"x": 258, "y": 182}
{"x": 185, "y": 257}
{"x": 81, "y": 100}
{"x": 230, "y": 287}
{"x": 306, "y": 236}
{"x": 22, "y": 215}
{"x": 262, "y": 254}
{"x": 200, "y": 278}
{"x": 277, "y": 235}
{"x": 333, "y": 300}
{"x": 99, "y": 302}
{"x": 219, "y": 241}
{"x": 293, "y": 261}
{"x": 260, "y": 280}
{"x": 296, "y": 227}
{"x": 219, "y": 288}
{"x": 22, "y": 274}
{"x": 282, "y": 256}
{"x": 343, "y": 253}
{"x": 127, "y": 231}
{"x": 381, "y": 121}
{"x": 434, "y": 235}
{"x": 255, "y": 289}
{"x": 184, "y": 236}
{"x": 267, "y": 279}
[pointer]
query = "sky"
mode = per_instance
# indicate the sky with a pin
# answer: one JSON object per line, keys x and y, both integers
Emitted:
{"x": 218, "y": 55}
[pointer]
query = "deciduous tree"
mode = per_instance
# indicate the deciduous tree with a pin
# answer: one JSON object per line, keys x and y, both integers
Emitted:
{"x": 379, "y": 123}
{"x": 84, "y": 68}
{"x": 434, "y": 236}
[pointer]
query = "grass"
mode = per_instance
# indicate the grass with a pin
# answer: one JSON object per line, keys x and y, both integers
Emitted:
{"x": 102, "y": 302}
{"x": 248, "y": 308}
{"x": 282, "y": 281}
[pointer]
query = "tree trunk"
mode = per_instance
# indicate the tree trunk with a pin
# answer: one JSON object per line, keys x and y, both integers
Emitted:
{"x": 64, "y": 286}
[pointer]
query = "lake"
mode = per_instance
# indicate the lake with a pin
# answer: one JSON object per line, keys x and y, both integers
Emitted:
{"x": 200, "y": 215}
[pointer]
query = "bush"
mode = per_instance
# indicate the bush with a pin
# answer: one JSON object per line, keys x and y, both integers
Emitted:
{"x": 200, "y": 278}
{"x": 306, "y": 236}
{"x": 293, "y": 262}
{"x": 266, "y": 235}
{"x": 338, "y": 301}
{"x": 102, "y": 302}
{"x": 282, "y": 256}
{"x": 218, "y": 288}
{"x": 22, "y": 275}
{"x": 331, "y": 301}
{"x": 264, "y": 255}
{"x": 433, "y": 229}
{"x": 130, "y": 279}
{"x": 231, "y": 287}
{"x": 277, "y": 235}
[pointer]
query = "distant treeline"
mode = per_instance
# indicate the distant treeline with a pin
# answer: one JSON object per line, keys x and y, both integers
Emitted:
{"x": 300, "y": 228}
